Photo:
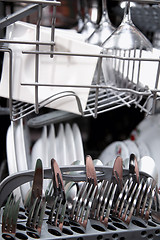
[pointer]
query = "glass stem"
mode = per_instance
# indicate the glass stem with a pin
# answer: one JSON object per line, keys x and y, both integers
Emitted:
{"x": 105, "y": 11}
{"x": 127, "y": 13}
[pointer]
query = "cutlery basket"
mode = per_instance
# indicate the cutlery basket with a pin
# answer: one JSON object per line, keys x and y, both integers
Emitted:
{"x": 71, "y": 230}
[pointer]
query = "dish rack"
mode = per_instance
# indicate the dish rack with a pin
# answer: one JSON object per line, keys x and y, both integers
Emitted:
{"x": 95, "y": 229}
{"x": 102, "y": 96}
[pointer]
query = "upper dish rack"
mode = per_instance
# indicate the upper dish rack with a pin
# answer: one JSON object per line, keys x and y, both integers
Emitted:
{"x": 103, "y": 96}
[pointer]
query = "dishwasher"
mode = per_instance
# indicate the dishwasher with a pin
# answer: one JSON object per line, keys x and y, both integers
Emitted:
{"x": 83, "y": 122}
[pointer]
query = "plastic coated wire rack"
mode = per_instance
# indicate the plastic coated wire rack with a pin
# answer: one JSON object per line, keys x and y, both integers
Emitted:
{"x": 102, "y": 97}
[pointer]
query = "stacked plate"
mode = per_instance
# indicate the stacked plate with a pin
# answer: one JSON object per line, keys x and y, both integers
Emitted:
{"x": 144, "y": 141}
{"x": 66, "y": 147}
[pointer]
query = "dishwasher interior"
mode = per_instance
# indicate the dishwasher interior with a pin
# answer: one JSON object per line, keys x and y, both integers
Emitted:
{"x": 80, "y": 119}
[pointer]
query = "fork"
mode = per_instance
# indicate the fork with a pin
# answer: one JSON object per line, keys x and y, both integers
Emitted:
{"x": 146, "y": 198}
{"x": 82, "y": 204}
{"x": 58, "y": 209}
{"x": 9, "y": 218}
{"x": 106, "y": 193}
{"x": 103, "y": 202}
{"x": 35, "y": 217}
{"x": 126, "y": 200}
{"x": 135, "y": 198}
{"x": 35, "y": 204}
{"x": 37, "y": 186}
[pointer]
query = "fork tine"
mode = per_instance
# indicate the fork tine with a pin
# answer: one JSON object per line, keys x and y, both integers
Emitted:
{"x": 9, "y": 218}
{"x": 148, "y": 197}
{"x": 125, "y": 198}
{"x": 145, "y": 200}
{"x": 140, "y": 198}
{"x": 35, "y": 217}
{"x": 120, "y": 196}
{"x": 49, "y": 192}
{"x": 106, "y": 197}
{"x": 105, "y": 221}
{"x": 58, "y": 197}
{"x": 101, "y": 197}
{"x": 52, "y": 210}
{"x": 42, "y": 211}
{"x": 134, "y": 202}
{"x": 84, "y": 224}
{"x": 85, "y": 203}
{"x": 128, "y": 204}
{"x": 61, "y": 220}
{"x": 58, "y": 212}
{"x": 77, "y": 199}
{"x": 149, "y": 204}
{"x": 95, "y": 201}
{"x": 5, "y": 213}
{"x": 36, "y": 212}
{"x": 15, "y": 208}
{"x": 83, "y": 196}
{"x": 31, "y": 213}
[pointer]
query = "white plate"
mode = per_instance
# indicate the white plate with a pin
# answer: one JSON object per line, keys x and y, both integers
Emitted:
{"x": 21, "y": 158}
{"x": 142, "y": 129}
{"x": 110, "y": 153}
{"x": 78, "y": 143}
{"x": 70, "y": 145}
{"x": 46, "y": 164}
{"x": 52, "y": 153}
{"x": 27, "y": 142}
{"x": 149, "y": 137}
{"x": 11, "y": 157}
{"x": 59, "y": 70}
{"x": 61, "y": 146}
{"x": 143, "y": 149}
{"x": 39, "y": 149}
{"x": 152, "y": 140}
{"x": 37, "y": 152}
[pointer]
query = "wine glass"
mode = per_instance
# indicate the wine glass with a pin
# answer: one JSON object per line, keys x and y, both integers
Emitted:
{"x": 126, "y": 41}
{"x": 127, "y": 36}
{"x": 104, "y": 29}
{"x": 80, "y": 17}
{"x": 88, "y": 26}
